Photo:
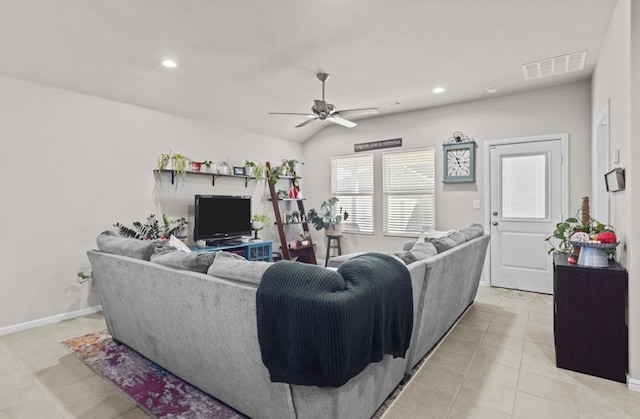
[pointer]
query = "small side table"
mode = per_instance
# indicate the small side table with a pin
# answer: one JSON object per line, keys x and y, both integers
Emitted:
{"x": 331, "y": 245}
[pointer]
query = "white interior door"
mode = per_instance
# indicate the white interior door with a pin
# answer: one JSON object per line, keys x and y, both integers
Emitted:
{"x": 525, "y": 203}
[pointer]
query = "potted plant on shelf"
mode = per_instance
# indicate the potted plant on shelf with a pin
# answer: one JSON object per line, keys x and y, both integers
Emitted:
{"x": 178, "y": 164}
{"x": 163, "y": 161}
{"x": 289, "y": 167}
{"x": 255, "y": 169}
{"x": 330, "y": 217}
{"x": 224, "y": 167}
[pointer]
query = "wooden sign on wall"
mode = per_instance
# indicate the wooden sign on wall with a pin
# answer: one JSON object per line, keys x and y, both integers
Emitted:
{"x": 376, "y": 145}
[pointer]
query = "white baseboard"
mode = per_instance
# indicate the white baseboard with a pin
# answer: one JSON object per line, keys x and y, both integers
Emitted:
{"x": 633, "y": 383}
{"x": 49, "y": 320}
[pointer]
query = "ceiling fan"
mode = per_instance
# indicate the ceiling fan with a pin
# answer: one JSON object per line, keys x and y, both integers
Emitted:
{"x": 327, "y": 112}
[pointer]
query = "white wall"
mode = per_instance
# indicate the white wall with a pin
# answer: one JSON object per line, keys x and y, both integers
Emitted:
{"x": 547, "y": 111}
{"x": 75, "y": 164}
{"x": 634, "y": 178}
{"x": 618, "y": 63}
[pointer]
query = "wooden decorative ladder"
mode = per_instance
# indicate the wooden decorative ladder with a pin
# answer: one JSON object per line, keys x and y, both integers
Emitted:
{"x": 305, "y": 253}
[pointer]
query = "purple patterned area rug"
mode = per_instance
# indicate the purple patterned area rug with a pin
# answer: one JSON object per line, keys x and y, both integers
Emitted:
{"x": 155, "y": 390}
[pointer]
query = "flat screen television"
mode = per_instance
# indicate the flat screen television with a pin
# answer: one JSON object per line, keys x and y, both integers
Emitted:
{"x": 220, "y": 218}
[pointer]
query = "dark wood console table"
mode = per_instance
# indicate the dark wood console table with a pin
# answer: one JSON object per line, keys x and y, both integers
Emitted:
{"x": 590, "y": 319}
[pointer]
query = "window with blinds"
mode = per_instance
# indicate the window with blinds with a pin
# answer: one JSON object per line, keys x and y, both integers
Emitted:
{"x": 409, "y": 191}
{"x": 352, "y": 184}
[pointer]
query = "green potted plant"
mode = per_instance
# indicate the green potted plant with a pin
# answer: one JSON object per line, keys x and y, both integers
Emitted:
{"x": 275, "y": 173}
{"x": 567, "y": 228}
{"x": 153, "y": 228}
{"x": 179, "y": 163}
{"x": 224, "y": 167}
{"x": 258, "y": 222}
{"x": 255, "y": 169}
{"x": 163, "y": 161}
{"x": 289, "y": 167}
{"x": 330, "y": 217}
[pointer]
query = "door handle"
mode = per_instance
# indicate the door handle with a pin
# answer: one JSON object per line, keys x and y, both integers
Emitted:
{"x": 495, "y": 212}
{"x": 495, "y": 223}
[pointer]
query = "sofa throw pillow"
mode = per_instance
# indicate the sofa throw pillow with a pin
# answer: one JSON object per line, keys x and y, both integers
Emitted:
{"x": 435, "y": 234}
{"x": 472, "y": 231}
{"x": 110, "y": 242}
{"x": 178, "y": 244}
{"x": 236, "y": 268}
{"x": 443, "y": 244}
{"x": 419, "y": 251}
{"x": 174, "y": 258}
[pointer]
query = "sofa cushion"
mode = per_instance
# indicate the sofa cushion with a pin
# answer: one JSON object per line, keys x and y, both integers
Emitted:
{"x": 472, "y": 231}
{"x": 110, "y": 242}
{"x": 190, "y": 261}
{"x": 443, "y": 244}
{"x": 236, "y": 268}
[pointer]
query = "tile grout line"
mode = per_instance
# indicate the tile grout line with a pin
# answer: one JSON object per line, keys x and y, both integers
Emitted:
{"x": 466, "y": 372}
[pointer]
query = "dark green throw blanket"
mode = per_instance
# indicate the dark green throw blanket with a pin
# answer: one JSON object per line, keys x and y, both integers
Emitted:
{"x": 321, "y": 327}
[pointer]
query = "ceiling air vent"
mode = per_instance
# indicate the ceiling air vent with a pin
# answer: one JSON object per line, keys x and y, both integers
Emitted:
{"x": 554, "y": 66}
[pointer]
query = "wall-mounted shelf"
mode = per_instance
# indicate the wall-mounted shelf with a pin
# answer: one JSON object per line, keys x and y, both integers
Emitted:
{"x": 214, "y": 176}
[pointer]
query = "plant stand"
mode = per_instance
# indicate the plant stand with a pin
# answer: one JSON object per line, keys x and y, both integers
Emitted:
{"x": 332, "y": 238}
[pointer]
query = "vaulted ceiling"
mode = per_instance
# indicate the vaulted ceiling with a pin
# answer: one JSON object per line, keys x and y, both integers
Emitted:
{"x": 238, "y": 59}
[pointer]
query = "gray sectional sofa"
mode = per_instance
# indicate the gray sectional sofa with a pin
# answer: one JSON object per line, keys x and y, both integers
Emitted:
{"x": 202, "y": 326}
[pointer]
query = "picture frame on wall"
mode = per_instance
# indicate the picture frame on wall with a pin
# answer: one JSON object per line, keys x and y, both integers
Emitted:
{"x": 614, "y": 180}
{"x": 238, "y": 171}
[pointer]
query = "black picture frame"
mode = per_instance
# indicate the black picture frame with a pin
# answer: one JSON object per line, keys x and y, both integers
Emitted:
{"x": 614, "y": 180}
{"x": 238, "y": 170}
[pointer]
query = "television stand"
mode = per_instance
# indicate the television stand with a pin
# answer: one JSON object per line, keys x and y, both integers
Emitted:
{"x": 228, "y": 242}
{"x": 250, "y": 251}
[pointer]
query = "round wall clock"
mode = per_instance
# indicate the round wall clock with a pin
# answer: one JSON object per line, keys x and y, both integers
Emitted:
{"x": 459, "y": 162}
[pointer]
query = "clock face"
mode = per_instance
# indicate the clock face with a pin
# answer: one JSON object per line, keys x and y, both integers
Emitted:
{"x": 458, "y": 162}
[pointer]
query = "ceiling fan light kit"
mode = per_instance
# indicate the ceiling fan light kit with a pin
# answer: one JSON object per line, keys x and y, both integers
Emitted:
{"x": 324, "y": 111}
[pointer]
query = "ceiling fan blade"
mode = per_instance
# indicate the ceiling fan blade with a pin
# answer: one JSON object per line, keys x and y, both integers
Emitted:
{"x": 341, "y": 121}
{"x": 292, "y": 113}
{"x": 306, "y": 122}
{"x": 358, "y": 112}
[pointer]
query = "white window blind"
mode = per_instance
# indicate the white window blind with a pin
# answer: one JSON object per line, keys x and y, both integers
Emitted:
{"x": 352, "y": 184}
{"x": 409, "y": 188}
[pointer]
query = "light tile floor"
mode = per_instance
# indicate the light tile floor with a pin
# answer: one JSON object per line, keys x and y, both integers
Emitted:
{"x": 498, "y": 362}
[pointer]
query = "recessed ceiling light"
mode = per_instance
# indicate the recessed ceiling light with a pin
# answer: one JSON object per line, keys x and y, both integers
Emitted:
{"x": 492, "y": 89}
{"x": 169, "y": 63}
{"x": 438, "y": 90}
